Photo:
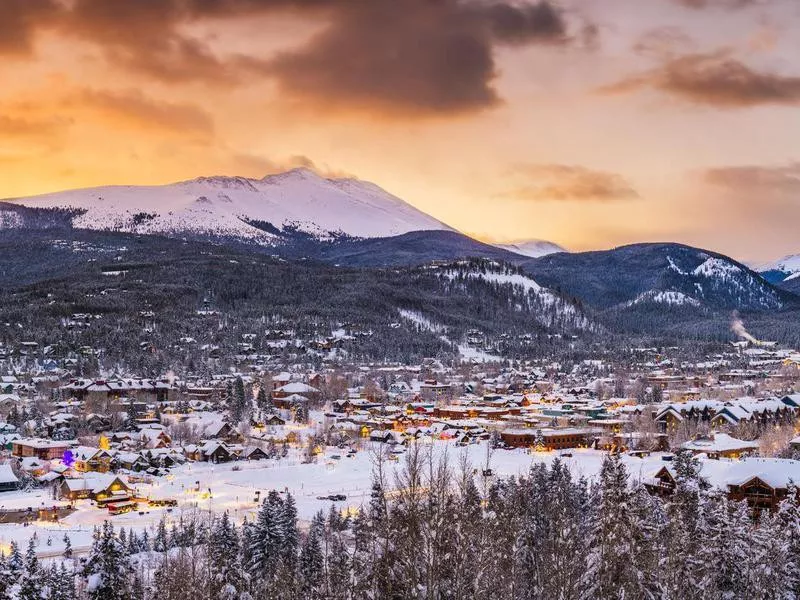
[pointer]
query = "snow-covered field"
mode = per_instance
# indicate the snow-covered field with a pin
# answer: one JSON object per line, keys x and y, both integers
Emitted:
{"x": 232, "y": 487}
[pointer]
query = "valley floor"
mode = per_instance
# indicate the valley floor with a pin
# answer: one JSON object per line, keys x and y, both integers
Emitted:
{"x": 234, "y": 486}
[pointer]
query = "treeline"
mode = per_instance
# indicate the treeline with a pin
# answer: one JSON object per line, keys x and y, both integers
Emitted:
{"x": 440, "y": 534}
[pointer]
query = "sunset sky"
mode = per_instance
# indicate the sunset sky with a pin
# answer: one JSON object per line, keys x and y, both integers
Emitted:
{"x": 591, "y": 123}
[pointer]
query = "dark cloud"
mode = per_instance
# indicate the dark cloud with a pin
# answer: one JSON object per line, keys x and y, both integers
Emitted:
{"x": 757, "y": 179}
{"x": 405, "y": 56}
{"x": 146, "y": 36}
{"x": 562, "y": 183}
{"x": 416, "y": 56}
{"x": 20, "y": 20}
{"x": 717, "y": 80}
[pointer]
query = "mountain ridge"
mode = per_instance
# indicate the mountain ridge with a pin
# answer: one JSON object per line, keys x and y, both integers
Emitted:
{"x": 300, "y": 200}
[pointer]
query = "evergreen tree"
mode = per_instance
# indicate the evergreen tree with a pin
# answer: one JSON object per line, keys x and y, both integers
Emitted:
{"x": 290, "y": 534}
{"x": 161, "y": 538}
{"x": 108, "y": 571}
{"x": 223, "y": 553}
{"x": 312, "y": 562}
{"x": 7, "y": 578}
{"x": 266, "y": 538}
{"x": 686, "y": 572}
{"x": 614, "y": 532}
{"x": 31, "y": 583}
{"x": 15, "y": 562}
{"x": 261, "y": 400}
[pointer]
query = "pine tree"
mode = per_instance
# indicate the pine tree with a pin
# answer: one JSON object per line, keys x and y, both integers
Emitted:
{"x": 789, "y": 524}
{"x": 67, "y": 547}
{"x": 161, "y": 538}
{"x": 15, "y": 562}
{"x": 338, "y": 568}
{"x": 7, "y": 578}
{"x": 290, "y": 534}
{"x": 108, "y": 571}
{"x": 614, "y": 531}
{"x": 223, "y": 555}
{"x": 312, "y": 562}
{"x": 64, "y": 589}
{"x": 261, "y": 399}
{"x": 31, "y": 583}
{"x": 266, "y": 538}
{"x": 770, "y": 574}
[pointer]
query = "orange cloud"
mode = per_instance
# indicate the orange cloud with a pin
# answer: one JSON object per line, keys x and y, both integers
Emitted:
{"x": 570, "y": 183}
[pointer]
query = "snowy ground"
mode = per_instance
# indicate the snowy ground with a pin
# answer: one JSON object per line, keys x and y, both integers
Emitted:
{"x": 232, "y": 487}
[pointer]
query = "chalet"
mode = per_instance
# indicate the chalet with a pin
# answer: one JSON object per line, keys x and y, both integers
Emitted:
{"x": 98, "y": 423}
{"x": 296, "y": 387}
{"x": 130, "y": 461}
{"x": 43, "y": 449}
{"x": 253, "y": 453}
{"x": 102, "y": 488}
{"x": 215, "y": 451}
{"x": 163, "y": 458}
{"x": 152, "y": 438}
{"x": 551, "y": 439}
{"x": 672, "y": 415}
{"x": 150, "y": 390}
{"x": 662, "y": 483}
{"x": 762, "y": 482}
{"x": 393, "y": 438}
{"x": 8, "y": 480}
{"x": 720, "y": 445}
{"x": 33, "y": 466}
{"x": 91, "y": 459}
{"x": 291, "y": 401}
{"x": 222, "y": 430}
{"x": 274, "y": 420}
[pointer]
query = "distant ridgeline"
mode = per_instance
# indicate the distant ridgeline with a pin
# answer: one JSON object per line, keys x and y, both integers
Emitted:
{"x": 150, "y": 291}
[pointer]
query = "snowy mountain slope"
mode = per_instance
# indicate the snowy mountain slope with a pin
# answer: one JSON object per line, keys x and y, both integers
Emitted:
{"x": 788, "y": 264}
{"x": 532, "y": 248}
{"x": 624, "y": 276}
{"x": 669, "y": 298}
{"x": 782, "y": 272}
{"x": 548, "y": 307}
{"x": 256, "y": 210}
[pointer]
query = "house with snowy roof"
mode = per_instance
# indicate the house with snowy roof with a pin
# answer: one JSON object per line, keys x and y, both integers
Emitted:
{"x": 8, "y": 480}
{"x": 215, "y": 451}
{"x": 762, "y": 482}
{"x": 87, "y": 458}
{"x": 720, "y": 445}
{"x": 100, "y": 487}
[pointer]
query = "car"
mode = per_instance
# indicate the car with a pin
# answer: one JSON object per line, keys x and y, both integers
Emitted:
{"x": 333, "y": 497}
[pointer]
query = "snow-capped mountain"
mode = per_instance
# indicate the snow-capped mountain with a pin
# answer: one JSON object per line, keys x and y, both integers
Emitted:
{"x": 785, "y": 269}
{"x": 532, "y": 248}
{"x": 657, "y": 274}
{"x": 259, "y": 210}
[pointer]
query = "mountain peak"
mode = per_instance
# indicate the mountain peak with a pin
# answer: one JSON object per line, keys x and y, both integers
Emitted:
{"x": 299, "y": 200}
{"x": 532, "y": 248}
{"x": 301, "y": 173}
